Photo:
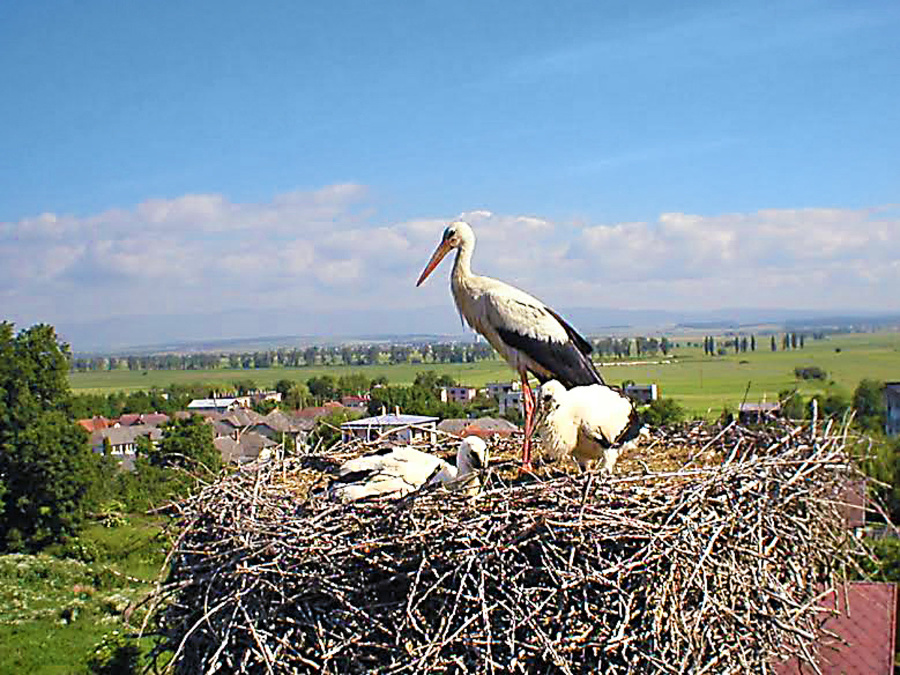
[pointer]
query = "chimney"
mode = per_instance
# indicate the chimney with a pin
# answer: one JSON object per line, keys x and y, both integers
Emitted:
{"x": 397, "y": 410}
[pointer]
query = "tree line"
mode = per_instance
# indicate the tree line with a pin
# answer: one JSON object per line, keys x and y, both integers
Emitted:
{"x": 348, "y": 355}
{"x": 336, "y": 355}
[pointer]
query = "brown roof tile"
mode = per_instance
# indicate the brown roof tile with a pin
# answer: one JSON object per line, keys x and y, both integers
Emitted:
{"x": 866, "y": 624}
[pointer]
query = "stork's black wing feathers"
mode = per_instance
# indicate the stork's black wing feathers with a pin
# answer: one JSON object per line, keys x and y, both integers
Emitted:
{"x": 354, "y": 476}
{"x": 565, "y": 361}
{"x": 632, "y": 430}
{"x": 583, "y": 345}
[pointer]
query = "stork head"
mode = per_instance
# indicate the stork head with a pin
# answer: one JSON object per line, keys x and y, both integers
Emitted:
{"x": 551, "y": 393}
{"x": 472, "y": 455}
{"x": 457, "y": 234}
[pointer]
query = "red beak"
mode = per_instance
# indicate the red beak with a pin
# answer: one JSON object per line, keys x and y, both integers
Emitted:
{"x": 443, "y": 249}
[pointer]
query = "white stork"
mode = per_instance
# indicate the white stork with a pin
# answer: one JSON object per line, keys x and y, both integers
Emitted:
{"x": 528, "y": 334}
{"x": 587, "y": 423}
{"x": 397, "y": 471}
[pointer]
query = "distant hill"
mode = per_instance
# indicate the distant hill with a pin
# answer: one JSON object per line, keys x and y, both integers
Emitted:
{"x": 249, "y": 330}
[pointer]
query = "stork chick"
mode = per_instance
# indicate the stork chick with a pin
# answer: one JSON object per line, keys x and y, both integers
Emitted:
{"x": 396, "y": 471}
{"x": 586, "y": 423}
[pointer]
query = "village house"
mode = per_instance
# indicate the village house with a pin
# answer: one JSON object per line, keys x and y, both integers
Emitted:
{"x": 458, "y": 394}
{"x": 642, "y": 393}
{"x": 511, "y": 400}
{"x": 122, "y": 441}
{"x": 356, "y": 402}
{"x": 757, "y": 412}
{"x": 395, "y": 427}
{"x": 250, "y": 447}
{"x": 95, "y": 423}
{"x": 257, "y": 397}
{"x": 498, "y": 389}
{"x": 200, "y": 405}
{"x": 277, "y": 425}
{"x": 483, "y": 427}
{"x": 149, "y": 419}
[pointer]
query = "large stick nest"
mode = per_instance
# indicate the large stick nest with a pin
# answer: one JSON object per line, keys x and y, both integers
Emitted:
{"x": 714, "y": 567}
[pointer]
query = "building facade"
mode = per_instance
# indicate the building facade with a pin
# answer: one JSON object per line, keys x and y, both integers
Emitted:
{"x": 892, "y": 408}
{"x": 395, "y": 428}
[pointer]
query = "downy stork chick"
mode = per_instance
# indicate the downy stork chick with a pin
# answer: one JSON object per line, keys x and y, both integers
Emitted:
{"x": 528, "y": 334}
{"x": 396, "y": 471}
{"x": 586, "y": 423}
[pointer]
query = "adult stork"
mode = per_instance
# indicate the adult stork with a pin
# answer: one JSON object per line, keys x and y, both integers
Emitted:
{"x": 528, "y": 334}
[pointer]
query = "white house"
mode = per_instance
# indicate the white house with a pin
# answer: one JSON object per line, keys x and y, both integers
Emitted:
{"x": 398, "y": 428}
{"x": 643, "y": 393}
{"x": 458, "y": 394}
{"x": 200, "y": 405}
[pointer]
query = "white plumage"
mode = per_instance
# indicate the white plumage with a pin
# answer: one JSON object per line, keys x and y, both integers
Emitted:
{"x": 586, "y": 423}
{"x": 528, "y": 334}
{"x": 397, "y": 471}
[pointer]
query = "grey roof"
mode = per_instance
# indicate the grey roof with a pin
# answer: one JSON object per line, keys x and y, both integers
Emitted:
{"x": 453, "y": 426}
{"x": 759, "y": 407}
{"x": 279, "y": 421}
{"x": 495, "y": 424}
{"x": 125, "y": 435}
{"x": 245, "y": 450}
{"x": 389, "y": 421}
{"x": 222, "y": 428}
{"x": 242, "y": 417}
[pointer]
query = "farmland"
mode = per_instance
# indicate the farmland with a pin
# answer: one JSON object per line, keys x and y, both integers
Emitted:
{"x": 703, "y": 384}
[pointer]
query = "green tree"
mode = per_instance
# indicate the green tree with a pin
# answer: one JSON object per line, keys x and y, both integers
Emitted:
{"x": 324, "y": 388}
{"x": 46, "y": 466}
{"x": 328, "y": 428}
{"x": 833, "y": 403}
{"x": 187, "y": 444}
{"x": 663, "y": 411}
{"x": 868, "y": 402}
{"x": 792, "y": 404}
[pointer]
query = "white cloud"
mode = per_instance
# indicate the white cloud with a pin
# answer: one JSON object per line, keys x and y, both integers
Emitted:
{"x": 324, "y": 249}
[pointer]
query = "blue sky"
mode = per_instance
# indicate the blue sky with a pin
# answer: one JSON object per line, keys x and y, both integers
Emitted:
{"x": 200, "y": 154}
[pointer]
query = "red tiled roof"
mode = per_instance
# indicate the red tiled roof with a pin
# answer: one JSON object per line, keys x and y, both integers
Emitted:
{"x": 484, "y": 427}
{"x": 317, "y": 411}
{"x": 867, "y": 623}
{"x": 153, "y": 419}
{"x": 94, "y": 424}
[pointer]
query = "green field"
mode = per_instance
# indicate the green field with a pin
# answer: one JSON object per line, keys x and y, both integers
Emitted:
{"x": 703, "y": 384}
{"x": 54, "y": 609}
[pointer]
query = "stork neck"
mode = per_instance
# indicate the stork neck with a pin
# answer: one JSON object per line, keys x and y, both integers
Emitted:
{"x": 462, "y": 266}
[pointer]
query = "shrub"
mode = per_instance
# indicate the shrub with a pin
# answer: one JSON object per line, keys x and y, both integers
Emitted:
{"x": 792, "y": 404}
{"x": 663, "y": 411}
{"x": 115, "y": 654}
{"x": 810, "y": 373}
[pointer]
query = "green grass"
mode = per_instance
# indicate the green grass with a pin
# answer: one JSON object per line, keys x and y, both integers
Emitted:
{"x": 54, "y": 610}
{"x": 704, "y": 385}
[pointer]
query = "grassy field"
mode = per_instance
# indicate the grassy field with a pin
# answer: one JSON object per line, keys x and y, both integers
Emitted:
{"x": 703, "y": 384}
{"x": 53, "y": 610}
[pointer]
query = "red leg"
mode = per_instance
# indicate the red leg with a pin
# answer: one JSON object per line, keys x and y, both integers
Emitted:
{"x": 528, "y": 401}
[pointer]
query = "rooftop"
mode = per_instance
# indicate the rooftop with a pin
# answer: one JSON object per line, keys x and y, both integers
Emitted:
{"x": 390, "y": 421}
